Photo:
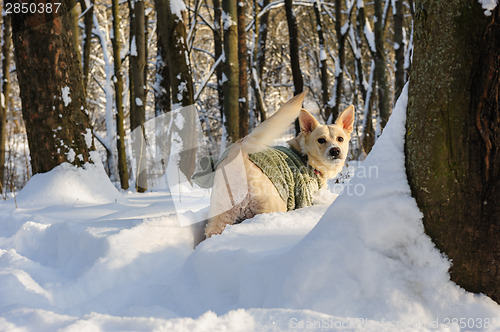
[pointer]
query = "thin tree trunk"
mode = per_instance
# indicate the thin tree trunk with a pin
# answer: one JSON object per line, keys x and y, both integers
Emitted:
{"x": 116, "y": 40}
{"x": 298, "y": 81}
{"x": 137, "y": 93}
{"x": 258, "y": 55}
{"x": 162, "y": 86}
{"x": 55, "y": 114}
{"x": 230, "y": 70}
{"x": 384, "y": 102}
{"x": 368, "y": 136}
{"x": 399, "y": 49}
{"x": 261, "y": 25}
{"x": 218, "y": 50}
{"x": 5, "y": 91}
{"x": 339, "y": 67}
{"x": 88, "y": 21}
{"x": 322, "y": 64}
{"x": 243, "y": 71}
{"x": 182, "y": 86}
{"x": 452, "y": 147}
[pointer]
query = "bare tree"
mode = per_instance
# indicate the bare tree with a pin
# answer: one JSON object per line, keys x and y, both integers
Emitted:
{"x": 243, "y": 71}
{"x": 116, "y": 40}
{"x": 230, "y": 70}
{"x": 136, "y": 79}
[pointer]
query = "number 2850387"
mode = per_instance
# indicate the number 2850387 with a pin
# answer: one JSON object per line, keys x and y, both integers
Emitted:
{"x": 32, "y": 8}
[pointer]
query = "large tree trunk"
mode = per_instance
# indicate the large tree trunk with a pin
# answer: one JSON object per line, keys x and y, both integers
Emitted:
{"x": 452, "y": 140}
{"x": 51, "y": 85}
{"x": 118, "y": 81}
{"x": 230, "y": 69}
{"x": 4, "y": 91}
{"x": 243, "y": 71}
{"x": 137, "y": 83}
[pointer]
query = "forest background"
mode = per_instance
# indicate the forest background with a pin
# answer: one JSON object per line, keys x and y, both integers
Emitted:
{"x": 235, "y": 62}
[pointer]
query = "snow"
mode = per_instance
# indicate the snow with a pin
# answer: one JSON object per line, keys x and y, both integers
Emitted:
{"x": 176, "y": 7}
{"x": 65, "y": 96}
{"x": 488, "y": 6}
{"x": 370, "y": 36}
{"x": 71, "y": 155}
{"x": 88, "y": 137}
{"x": 227, "y": 20}
{"x": 133, "y": 47}
{"x": 78, "y": 255}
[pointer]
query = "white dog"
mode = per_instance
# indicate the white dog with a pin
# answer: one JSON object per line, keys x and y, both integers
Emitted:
{"x": 278, "y": 179}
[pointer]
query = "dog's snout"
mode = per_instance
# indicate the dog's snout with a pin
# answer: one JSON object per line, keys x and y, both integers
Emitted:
{"x": 334, "y": 152}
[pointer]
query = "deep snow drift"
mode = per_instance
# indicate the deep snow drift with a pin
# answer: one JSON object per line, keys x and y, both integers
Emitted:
{"x": 78, "y": 255}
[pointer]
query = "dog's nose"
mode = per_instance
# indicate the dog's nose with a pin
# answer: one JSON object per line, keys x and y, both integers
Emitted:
{"x": 334, "y": 152}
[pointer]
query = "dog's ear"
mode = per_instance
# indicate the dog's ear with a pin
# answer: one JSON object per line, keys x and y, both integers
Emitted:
{"x": 307, "y": 121}
{"x": 346, "y": 119}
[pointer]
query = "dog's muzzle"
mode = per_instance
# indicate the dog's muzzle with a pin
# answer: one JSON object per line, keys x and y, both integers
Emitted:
{"x": 334, "y": 153}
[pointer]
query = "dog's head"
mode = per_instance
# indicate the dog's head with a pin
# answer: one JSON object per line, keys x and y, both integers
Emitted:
{"x": 326, "y": 146}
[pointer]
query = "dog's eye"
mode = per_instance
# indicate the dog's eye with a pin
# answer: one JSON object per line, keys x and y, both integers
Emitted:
{"x": 321, "y": 141}
{"x": 340, "y": 139}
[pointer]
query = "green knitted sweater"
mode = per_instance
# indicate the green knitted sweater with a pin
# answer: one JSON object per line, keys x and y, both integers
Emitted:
{"x": 295, "y": 181}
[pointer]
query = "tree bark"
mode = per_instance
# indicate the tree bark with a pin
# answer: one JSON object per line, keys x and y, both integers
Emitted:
{"x": 230, "y": 70}
{"x": 4, "y": 91}
{"x": 452, "y": 140}
{"x": 51, "y": 85}
{"x": 137, "y": 83}
{"x": 243, "y": 71}
{"x": 118, "y": 81}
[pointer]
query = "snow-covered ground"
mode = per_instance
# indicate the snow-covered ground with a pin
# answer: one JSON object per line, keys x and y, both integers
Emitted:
{"x": 78, "y": 255}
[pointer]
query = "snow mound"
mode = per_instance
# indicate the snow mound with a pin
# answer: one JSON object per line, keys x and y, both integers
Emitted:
{"x": 367, "y": 257}
{"x": 69, "y": 185}
{"x": 362, "y": 264}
